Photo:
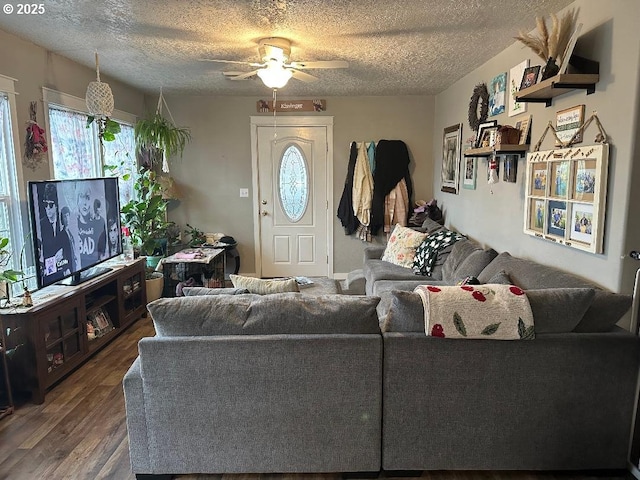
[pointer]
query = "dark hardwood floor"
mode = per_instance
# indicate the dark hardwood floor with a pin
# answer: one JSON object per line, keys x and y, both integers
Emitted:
{"x": 80, "y": 431}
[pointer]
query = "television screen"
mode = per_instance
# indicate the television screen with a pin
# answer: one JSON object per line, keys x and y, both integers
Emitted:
{"x": 75, "y": 226}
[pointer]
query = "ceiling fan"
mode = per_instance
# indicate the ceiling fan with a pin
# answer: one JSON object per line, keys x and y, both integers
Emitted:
{"x": 275, "y": 69}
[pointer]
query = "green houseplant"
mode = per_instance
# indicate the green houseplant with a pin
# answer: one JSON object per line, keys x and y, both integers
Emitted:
{"x": 160, "y": 137}
{"x": 145, "y": 215}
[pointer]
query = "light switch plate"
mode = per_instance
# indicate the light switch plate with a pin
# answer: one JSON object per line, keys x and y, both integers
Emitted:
{"x": 244, "y": 193}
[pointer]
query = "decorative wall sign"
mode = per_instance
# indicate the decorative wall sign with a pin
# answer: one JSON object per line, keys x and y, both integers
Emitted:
{"x": 266, "y": 106}
{"x": 566, "y": 194}
{"x": 568, "y": 123}
{"x": 451, "y": 147}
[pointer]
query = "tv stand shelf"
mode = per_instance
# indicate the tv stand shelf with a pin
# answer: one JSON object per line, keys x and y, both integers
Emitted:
{"x": 50, "y": 339}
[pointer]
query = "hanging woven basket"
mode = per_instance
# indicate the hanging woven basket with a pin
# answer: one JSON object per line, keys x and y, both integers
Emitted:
{"x": 99, "y": 97}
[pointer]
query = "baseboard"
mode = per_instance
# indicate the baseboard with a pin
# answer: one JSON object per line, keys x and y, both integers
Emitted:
{"x": 340, "y": 276}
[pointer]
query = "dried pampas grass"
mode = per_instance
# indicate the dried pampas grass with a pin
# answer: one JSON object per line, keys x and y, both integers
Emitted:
{"x": 551, "y": 44}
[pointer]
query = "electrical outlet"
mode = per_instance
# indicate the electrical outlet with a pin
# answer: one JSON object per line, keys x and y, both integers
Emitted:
{"x": 244, "y": 193}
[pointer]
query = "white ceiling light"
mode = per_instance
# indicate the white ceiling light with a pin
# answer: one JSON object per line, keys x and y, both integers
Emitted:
{"x": 274, "y": 75}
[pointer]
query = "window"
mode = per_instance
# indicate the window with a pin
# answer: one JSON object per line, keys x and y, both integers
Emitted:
{"x": 293, "y": 184}
{"x": 10, "y": 217}
{"x": 75, "y": 149}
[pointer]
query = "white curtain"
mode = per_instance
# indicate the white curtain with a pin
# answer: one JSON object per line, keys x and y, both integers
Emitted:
{"x": 73, "y": 145}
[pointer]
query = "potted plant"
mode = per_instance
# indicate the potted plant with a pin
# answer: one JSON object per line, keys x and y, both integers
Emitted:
{"x": 7, "y": 275}
{"x": 145, "y": 215}
{"x": 160, "y": 137}
{"x": 198, "y": 237}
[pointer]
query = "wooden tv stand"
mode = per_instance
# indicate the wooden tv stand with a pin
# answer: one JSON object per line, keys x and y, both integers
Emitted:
{"x": 52, "y": 336}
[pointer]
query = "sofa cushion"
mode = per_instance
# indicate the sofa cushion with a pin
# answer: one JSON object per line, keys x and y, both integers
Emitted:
{"x": 194, "y": 291}
{"x": 429, "y": 250}
{"x": 501, "y": 278}
{"x": 474, "y": 264}
{"x": 406, "y": 313}
{"x": 265, "y": 286}
{"x": 605, "y": 311}
{"x": 376, "y": 270}
{"x": 402, "y": 245}
{"x": 559, "y": 310}
{"x": 281, "y": 313}
{"x": 554, "y": 310}
{"x": 386, "y": 288}
{"x": 460, "y": 251}
{"x": 429, "y": 226}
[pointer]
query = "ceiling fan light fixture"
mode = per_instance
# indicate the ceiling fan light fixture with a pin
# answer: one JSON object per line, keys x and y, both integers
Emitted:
{"x": 274, "y": 75}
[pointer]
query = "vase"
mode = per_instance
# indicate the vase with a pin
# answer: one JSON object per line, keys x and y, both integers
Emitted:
{"x": 551, "y": 69}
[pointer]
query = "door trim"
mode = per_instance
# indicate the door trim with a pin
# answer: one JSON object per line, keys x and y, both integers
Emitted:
{"x": 290, "y": 121}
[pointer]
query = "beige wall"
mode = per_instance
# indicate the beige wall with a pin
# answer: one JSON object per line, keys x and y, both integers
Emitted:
{"x": 610, "y": 36}
{"x": 217, "y": 162}
{"x": 34, "y": 68}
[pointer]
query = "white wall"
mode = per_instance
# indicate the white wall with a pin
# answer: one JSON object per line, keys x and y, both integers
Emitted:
{"x": 610, "y": 36}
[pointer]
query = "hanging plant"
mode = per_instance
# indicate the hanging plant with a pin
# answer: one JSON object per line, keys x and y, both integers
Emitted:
{"x": 107, "y": 128}
{"x": 160, "y": 134}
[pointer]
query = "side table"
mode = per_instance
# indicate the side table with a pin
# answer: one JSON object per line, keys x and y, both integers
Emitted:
{"x": 205, "y": 265}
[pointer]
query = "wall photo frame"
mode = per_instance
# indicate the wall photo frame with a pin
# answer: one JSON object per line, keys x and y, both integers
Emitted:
{"x": 530, "y": 77}
{"x": 481, "y": 128}
{"x": 470, "y": 173}
{"x": 566, "y": 196}
{"x": 451, "y": 152}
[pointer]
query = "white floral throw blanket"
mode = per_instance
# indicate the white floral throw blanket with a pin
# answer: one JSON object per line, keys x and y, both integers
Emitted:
{"x": 490, "y": 311}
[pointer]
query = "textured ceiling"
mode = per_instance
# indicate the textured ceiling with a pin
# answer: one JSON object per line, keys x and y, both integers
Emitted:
{"x": 393, "y": 47}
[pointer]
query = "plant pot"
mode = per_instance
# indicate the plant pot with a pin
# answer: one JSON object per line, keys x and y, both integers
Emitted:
{"x": 154, "y": 286}
{"x": 153, "y": 260}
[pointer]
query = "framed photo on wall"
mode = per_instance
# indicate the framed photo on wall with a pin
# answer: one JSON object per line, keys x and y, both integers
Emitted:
{"x": 515, "y": 78}
{"x": 536, "y": 215}
{"x": 470, "y": 173}
{"x": 451, "y": 148}
{"x": 510, "y": 168}
{"x": 481, "y": 128}
{"x": 538, "y": 180}
{"x": 530, "y": 77}
{"x": 557, "y": 223}
{"x": 565, "y": 199}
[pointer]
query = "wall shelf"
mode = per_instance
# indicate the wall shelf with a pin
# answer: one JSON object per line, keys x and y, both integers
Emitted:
{"x": 544, "y": 91}
{"x": 497, "y": 149}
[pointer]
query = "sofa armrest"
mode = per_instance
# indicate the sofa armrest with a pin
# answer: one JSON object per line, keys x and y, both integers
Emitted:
{"x": 373, "y": 252}
{"x": 136, "y": 419}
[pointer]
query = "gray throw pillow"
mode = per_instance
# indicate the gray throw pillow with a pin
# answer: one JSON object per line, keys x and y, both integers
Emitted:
{"x": 559, "y": 310}
{"x": 501, "y": 278}
{"x": 406, "y": 313}
{"x": 194, "y": 291}
{"x": 280, "y": 313}
{"x": 474, "y": 264}
{"x": 265, "y": 286}
{"x": 605, "y": 311}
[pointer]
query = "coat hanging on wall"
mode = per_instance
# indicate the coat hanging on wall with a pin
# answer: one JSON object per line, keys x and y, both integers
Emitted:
{"x": 392, "y": 165}
{"x": 345, "y": 207}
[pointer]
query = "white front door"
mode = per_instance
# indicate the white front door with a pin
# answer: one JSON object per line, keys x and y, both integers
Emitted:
{"x": 291, "y": 179}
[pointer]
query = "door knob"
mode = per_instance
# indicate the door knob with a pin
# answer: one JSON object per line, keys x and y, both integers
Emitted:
{"x": 264, "y": 213}
{"x": 264, "y": 202}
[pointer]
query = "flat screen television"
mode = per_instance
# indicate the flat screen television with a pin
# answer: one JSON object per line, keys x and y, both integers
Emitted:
{"x": 75, "y": 225}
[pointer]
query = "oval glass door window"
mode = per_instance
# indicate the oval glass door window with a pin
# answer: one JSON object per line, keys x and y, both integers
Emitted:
{"x": 293, "y": 183}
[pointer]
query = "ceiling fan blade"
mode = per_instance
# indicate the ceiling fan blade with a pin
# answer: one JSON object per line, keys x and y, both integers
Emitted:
{"x": 320, "y": 64}
{"x": 239, "y": 75}
{"x": 251, "y": 64}
{"x": 305, "y": 77}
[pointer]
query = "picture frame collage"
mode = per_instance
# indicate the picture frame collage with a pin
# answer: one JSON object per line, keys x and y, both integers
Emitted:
{"x": 566, "y": 195}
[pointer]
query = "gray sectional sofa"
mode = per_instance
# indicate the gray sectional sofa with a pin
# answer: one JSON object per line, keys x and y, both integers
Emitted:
{"x": 295, "y": 383}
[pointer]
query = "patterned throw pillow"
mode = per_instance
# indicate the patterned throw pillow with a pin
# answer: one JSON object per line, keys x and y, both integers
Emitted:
{"x": 427, "y": 252}
{"x": 402, "y": 244}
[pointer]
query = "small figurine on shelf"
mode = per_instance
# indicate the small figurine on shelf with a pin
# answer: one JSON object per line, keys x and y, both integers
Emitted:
{"x": 27, "y": 301}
